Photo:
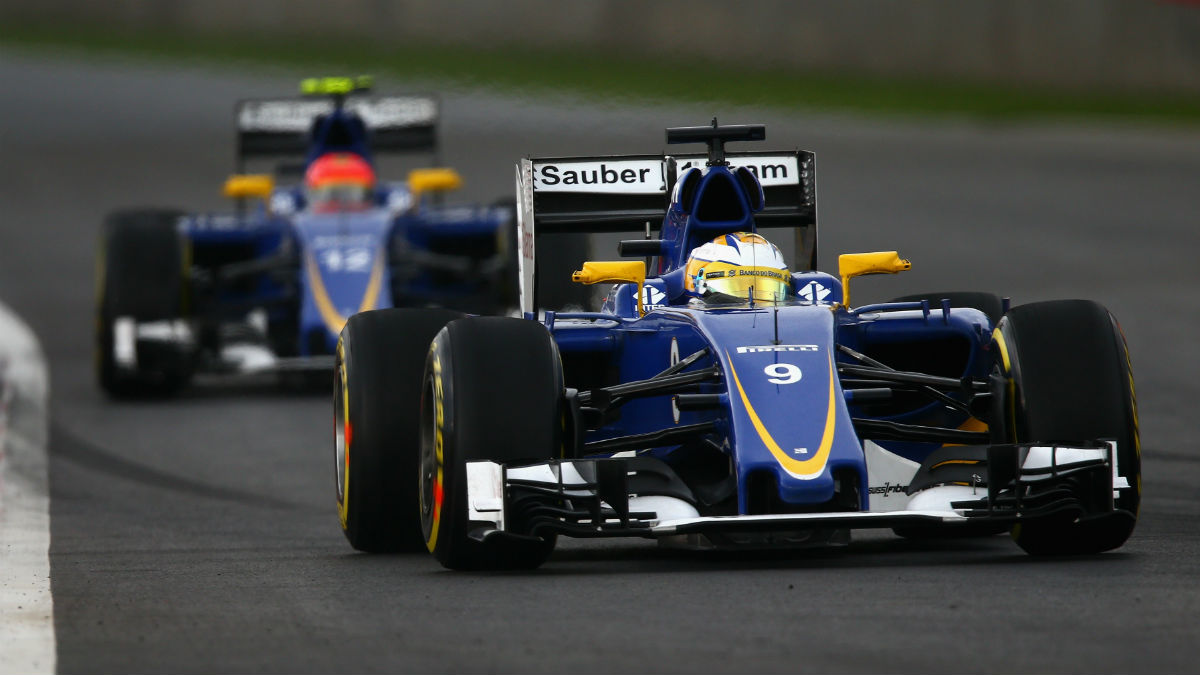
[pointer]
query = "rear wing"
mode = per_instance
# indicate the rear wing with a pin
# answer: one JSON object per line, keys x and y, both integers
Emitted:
{"x": 280, "y": 126}
{"x": 631, "y": 193}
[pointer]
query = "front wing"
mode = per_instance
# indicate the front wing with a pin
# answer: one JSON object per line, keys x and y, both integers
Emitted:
{"x": 615, "y": 497}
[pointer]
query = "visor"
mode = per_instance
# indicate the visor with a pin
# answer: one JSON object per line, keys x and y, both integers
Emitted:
{"x": 345, "y": 194}
{"x": 768, "y": 284}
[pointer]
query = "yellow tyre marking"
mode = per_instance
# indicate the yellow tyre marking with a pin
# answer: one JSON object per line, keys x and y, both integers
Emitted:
{"x": 1010, "y": 383}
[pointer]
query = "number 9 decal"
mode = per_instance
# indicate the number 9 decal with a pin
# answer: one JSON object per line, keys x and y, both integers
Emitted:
{"x": 782, "y": 373}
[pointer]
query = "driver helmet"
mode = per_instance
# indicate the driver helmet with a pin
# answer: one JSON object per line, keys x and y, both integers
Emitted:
{"x": 735, "y": 267}
{"x": 339, "y": 181}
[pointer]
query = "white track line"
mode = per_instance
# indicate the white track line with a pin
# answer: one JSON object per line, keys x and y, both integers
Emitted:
{"x": 27, "y": 643}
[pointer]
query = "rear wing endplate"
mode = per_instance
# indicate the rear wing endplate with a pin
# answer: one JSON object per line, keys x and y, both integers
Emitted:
{"x": 280, "y": 126}
{"x": 631, "y": 193}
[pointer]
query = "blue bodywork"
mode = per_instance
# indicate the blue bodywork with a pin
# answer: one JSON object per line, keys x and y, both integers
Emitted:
{"x": 781, "y": 415}
{"x": 292, "y": 275}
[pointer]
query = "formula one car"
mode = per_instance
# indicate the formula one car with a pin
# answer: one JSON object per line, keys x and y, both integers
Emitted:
{"x": 268, "y": 288}
{"x": 726, "y": 401}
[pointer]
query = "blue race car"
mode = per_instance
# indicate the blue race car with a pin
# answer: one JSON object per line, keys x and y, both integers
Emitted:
{"x": 269, "y": 287}
{"x": 725, "y": 400}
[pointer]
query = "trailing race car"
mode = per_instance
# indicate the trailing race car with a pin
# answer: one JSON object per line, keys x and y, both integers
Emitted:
{"x": 269, "y": 287}
{"x": 725, "y": 400}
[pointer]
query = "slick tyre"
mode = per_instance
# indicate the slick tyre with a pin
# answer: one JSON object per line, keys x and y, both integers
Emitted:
{"x": 141, "y": 268}
{"x": 1070, "y": 379}
{"x": 376, "y": 403}
{"x": 988, "y": 303}
{"x": 493, "y": 391}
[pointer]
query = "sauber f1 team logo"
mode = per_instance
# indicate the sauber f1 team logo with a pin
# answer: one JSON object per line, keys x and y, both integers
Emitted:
{"x": 635, "y": 176}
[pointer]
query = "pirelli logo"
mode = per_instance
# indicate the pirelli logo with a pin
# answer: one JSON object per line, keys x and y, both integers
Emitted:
{"x": 777, "y": 348}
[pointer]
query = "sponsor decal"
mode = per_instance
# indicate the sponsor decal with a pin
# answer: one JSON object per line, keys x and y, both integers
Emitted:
{"x": 771, "y": 170}
{"x": 759, "y": 272}
{"x": 887, "y": 489}
{"x": 527, "y": 245}
{"x": 346, "y": 259}
{"x": 337, "y": 240}
{"x": 399, "y": 201}
{"x": 282, "y": 204}
{"x": 394, "y": 111}
{"x": 290, "y": 115}
{"x": 655, "y": 296}
{"x": 814, "y": 292}
{"x": 280, "y": 116}
{"x": 612, "y": 176}
{"x": 777, "y": 348}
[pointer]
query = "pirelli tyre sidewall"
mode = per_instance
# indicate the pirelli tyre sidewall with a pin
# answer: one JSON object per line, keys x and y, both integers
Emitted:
{"x": 493, "y": 391}
{"x": 142, "y": 263}
{"x": 376, "y": 402}
{"x": 1069, "y": 377}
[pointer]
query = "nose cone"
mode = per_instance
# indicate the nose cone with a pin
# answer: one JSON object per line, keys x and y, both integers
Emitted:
{"x": 345, "y": 265}
{"x": 788, "y": 417}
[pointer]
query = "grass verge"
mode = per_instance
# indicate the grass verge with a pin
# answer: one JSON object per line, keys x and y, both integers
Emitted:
{"x": 631, "y": 80}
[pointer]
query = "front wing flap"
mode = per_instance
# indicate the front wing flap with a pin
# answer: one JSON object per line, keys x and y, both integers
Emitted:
{"x": 614, "y": 497}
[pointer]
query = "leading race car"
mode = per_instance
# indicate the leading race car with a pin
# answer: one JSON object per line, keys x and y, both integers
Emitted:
{"x": 268, "y": 287}
{"x": 725, "y": 400}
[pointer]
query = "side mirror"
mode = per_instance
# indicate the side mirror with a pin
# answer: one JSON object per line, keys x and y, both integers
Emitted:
{"x": 433, "y": 180}
{"x": 238, "y": 186}
{"x": 621, "y": 271}
{"x": 852, "y": 265}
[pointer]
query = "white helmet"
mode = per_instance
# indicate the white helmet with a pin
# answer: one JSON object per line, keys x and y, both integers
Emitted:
{"x": 735, "y": 267}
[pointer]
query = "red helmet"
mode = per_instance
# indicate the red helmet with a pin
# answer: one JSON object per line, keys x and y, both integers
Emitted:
{"x": 338, "y": 180}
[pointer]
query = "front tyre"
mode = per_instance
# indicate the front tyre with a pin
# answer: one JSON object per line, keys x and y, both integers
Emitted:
{"x": 141, "y": 281}
{"x": 1070, "y": 379}
{"x": 493, "y": 391}
{"x": 376, "y": 403}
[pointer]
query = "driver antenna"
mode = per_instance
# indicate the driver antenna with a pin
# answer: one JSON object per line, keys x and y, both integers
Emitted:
{"x": 716, "y": 149}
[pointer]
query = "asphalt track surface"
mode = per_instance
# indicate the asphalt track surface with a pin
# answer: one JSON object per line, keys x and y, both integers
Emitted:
{"x": 199, "y": 534}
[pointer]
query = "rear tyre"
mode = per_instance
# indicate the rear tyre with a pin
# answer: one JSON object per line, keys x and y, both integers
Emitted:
{"x": 988, "y": 303}
{"x": 141, "y": 269}
{"x": 493, "y": 391}
{"x": 1071, "y": 380}
{"x": 376, "y": 402}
